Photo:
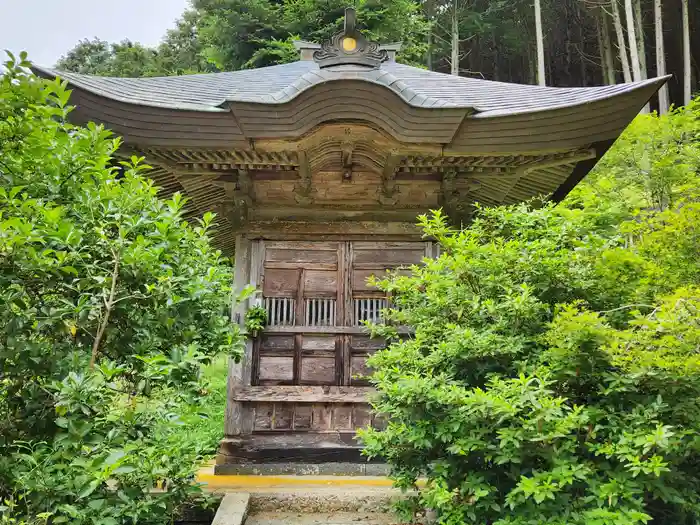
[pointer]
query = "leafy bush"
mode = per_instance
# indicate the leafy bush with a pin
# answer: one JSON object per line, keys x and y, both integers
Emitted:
{"x": 553, "y": 376}
{"x": 109, "y": 304}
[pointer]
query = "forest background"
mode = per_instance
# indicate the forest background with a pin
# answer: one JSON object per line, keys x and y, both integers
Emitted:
{"x": 583, "y": 42}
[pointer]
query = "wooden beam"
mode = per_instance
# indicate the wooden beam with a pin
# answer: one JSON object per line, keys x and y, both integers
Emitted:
{"x": 303, "y": 394}
{"x": 335, "y": 212}
{"x": 298, "y": 229}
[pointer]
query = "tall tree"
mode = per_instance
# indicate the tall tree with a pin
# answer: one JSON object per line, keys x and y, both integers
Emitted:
{"x": 124, "y": 59}
{"x": 231, "y": 31}
{"x": 454, "y": 39}
{"x": 687, "y": 73}
{"x": 634, "y": 47}
{"x": 429, "y": 10}
{"x": 87, "y": 57}
{"x": 622, "y": 47}
{"x": 541, "y": 78}
{"x": 606, "y": 51}
{"x": 641, "y": 40}
{"x": 660, "y": 54}
{"x": 182, "y": 51}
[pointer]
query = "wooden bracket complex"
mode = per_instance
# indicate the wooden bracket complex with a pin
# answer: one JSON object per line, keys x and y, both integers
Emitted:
{"x": 303, "y": 189}
{"x": 387, "y": 194}
{"x": 238, "y": 201}
{"x": 346, "y": 152}
{"x": 455, "y": 196}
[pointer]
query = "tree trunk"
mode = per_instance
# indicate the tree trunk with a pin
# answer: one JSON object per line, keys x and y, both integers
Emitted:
{"x": 687, "y": 74}
{"x": 660, "y": 55}
{"x": 429, "y": 14}
{"x": 496, "y": 57}
{"x": 541, "y": 79}
{"x": 641, "y": 41}
{"x": 632, "y": 35}
{"x": 601, "y": 52}
{"x": 634, "y": 45}
{"x": 621, "y": 42}
{"x": 455, "y": 40}
{"x": 604, "y": 68}
{"x": 608, "y": 59}
{"x": 429, "y": 51}
{"x": 582, "y": 58}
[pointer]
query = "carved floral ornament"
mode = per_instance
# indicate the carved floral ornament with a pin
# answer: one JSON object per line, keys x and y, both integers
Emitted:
{"x": 350, "y": 47}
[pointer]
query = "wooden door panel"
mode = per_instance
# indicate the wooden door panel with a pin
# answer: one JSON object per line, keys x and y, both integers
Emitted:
{"x": 301, "y": 257}
{"x": 269, "y": 342}
{"x": 320, "y": 283}
{"x": 325, "y": 284}
{"x": 318, "y": 370}
{"x": 301, "y": 417}
{"x": 273, "y": 370}
{"x": 361, "y": 347}
{"x": 318, "y": 342}
{"x": 281, "y": 282}
{"x": 386, "y": 255}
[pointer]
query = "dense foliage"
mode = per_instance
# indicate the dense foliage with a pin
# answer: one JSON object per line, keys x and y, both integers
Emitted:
{"x": 553, "y": 375}
{"x": 235, "y": 34}
{"x": 109, "y": 304}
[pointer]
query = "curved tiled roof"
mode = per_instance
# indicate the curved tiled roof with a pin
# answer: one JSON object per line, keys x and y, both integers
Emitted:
{"x": 282, "y": 83}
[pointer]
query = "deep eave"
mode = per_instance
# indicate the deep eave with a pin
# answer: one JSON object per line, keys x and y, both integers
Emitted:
{"x": 410, "y": 104}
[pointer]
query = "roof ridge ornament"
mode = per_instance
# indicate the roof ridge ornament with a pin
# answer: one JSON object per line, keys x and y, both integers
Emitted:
{"x": 350, "y": 47}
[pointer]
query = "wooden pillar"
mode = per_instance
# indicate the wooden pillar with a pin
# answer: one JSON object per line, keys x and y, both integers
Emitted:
{"x": 248, "y": 264}
{"x": 236, "y": 423}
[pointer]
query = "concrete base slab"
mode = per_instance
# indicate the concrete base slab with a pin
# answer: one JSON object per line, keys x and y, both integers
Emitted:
{"x": 320, "y": 500}
{"x": 303, "y": 469}
{"x": 339, "y": 518}
{"x": 233, "y": 509}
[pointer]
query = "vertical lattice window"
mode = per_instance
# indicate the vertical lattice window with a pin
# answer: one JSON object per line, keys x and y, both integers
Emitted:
{"x": 369, "y": 310}
{"x": 280, "y": 311}
{"x": 320, "y": 312}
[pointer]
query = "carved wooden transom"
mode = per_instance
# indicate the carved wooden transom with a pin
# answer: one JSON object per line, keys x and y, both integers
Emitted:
{"x": 350, "y": 172}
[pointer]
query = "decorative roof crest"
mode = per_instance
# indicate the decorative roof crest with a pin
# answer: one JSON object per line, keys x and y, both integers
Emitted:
{"x": 350, "y": 47}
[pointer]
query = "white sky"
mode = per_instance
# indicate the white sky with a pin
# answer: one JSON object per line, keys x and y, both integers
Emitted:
{"x": 47, "y": 29}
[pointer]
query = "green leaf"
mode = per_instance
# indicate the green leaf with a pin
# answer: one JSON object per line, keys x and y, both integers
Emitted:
{"x": 89, "y": 489}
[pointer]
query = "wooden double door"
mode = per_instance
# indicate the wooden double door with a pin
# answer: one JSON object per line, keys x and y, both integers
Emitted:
{"x": 303, "y": 390}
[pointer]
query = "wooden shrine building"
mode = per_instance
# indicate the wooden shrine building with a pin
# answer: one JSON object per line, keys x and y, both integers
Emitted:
{"x": 318, "y": 169}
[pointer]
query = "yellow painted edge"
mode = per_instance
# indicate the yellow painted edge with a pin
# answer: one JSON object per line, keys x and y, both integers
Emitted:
{"x": 213, "y": 480}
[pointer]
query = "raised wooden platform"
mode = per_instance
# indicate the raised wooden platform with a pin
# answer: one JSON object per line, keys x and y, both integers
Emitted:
{"x": 295, "y": 453}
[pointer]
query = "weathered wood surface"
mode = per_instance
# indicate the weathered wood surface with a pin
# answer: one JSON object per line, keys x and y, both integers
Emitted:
{"x": 309, "y": 380}
{"x": 299, "y": 447}
{"x": 303, "y": 394}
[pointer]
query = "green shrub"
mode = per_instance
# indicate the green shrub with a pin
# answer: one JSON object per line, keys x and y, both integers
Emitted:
{"x": 109, "y": 304}
{"x": 552, "y": 376}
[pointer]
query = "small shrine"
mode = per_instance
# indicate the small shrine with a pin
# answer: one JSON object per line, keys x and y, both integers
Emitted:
{"x": 317, "y": 170}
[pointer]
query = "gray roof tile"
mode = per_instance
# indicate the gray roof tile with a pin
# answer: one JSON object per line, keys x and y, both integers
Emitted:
{"x": 281, "y": 83}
